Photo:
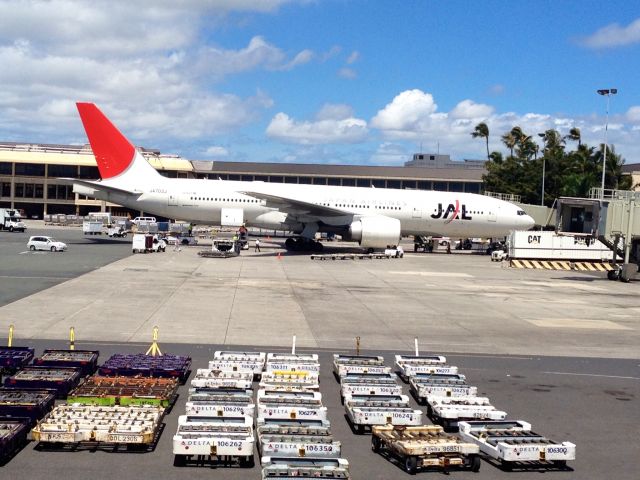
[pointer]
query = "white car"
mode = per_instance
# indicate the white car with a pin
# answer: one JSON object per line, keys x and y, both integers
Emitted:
{"x": 46, "y": 243}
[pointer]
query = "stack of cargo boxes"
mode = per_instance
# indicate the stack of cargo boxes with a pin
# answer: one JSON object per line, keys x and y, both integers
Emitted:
{"x": 371, "y": 393}
{"x": 294, "y": 433}
{"x": 123, "y": 405}
{"x": 220, "y": 411}
{"x": 19, "y": 409}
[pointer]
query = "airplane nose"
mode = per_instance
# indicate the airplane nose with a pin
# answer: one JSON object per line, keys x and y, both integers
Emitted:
{"x": 528, "y": 222}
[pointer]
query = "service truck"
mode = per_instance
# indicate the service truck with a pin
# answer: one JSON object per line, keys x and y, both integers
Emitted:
{"x": 11, "y": 220}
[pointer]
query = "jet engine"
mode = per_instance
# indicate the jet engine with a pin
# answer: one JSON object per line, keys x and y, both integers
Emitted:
{"x": 375, "y": 232}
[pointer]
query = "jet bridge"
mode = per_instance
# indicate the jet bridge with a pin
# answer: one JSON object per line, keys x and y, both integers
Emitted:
{"x": 611, "y": 216}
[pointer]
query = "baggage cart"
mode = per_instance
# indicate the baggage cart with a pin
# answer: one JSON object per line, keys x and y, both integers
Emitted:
{"x": 289, "y": 379}
{"x": 60, "y": 379}
{"x": 125, "y": 391}
{"x": 205, "y": 378}
{"x": 370, "y": 389}
{"x": 243, "y": 361}
{"x": 307, "y": 466}
{"x": 286, "y": 472}
{"x": 253, "y": 368}
{"x": 293, "y": 395}
{"x": 423, "y": 385}
{"x": 514, "y": 444}
{"x": 377, "y": 400}
{"x": 412, "y": 370}
{"x": 348, "y": 369}
{"x": 424, "y": 446}
{"x": 13, "y": 435}
{"x": 26, "y": 403}
{"x": 318, "y": 428}
{"x": 220, "y": 394}
{"x": 289, "y": 410}
{"x": 448, "y": 411}
{"x": 373, "y": 384}
{"x": 362, "y": 417}
{"x": 220, "y": 408}
{"x": 292, "y": 366}
{"x": 14, "y": 358}
{"x": 140, "y": 364}
{"x": 225, "y": 439}
{"x": 72, "y": 424}
{"x": 85, "y": 360}
{"x": 292, "y": 357}
{"x": 340, "y": 360}
{"x": 299, "y": 445}
{"x": 402, "y": 361}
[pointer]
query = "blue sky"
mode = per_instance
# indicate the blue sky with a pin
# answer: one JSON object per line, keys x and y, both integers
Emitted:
{"x": 327, "y": 81}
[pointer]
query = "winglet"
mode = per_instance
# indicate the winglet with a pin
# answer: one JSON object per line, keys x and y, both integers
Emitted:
{"x": 113, "y": 152}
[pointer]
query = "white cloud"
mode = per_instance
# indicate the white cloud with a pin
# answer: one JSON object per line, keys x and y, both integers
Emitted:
{"x": 215, "y": 151}
{"x": 348, "y": 73}
{"x": 335, "y": 111}
{"x": 470, "y": 109}
{"x": 633, "y": 114}
{"x": 389, "y": 153}
{"x": 614, "y": 35}
{"x": 354, "y": 57}
{"x": 325, "y": 130}
{"x": 410, "y": 112}
{"x": 412, "y": 116}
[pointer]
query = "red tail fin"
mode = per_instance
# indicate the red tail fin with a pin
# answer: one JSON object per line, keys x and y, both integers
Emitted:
{"x": 113, "y": 152}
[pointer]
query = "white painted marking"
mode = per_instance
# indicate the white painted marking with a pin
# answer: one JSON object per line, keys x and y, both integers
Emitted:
{"x": 433, "y": 274}
{"x": 576, "y": 323}
{"x": 592, "y": 375}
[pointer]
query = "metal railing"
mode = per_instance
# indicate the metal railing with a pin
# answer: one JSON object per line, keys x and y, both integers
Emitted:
{"x": 509, "y": 197}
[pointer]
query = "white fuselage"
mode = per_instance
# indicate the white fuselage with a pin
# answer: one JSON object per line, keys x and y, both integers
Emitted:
{"x": 220, "y": 202}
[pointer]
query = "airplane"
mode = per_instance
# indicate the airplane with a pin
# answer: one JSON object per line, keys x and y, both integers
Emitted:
{"x": 374, "y": 218}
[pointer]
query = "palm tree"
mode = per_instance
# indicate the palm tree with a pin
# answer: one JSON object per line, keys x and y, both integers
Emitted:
{"x": 575, "y": 136}
{"x": 482, "y": 131}
{"x": 510, "y": 141}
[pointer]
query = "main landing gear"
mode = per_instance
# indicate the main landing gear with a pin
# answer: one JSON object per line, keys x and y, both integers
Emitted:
{"x": 302, "y": 244}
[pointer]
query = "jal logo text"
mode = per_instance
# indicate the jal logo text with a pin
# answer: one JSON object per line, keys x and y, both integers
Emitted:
{"x": 456, "y": 211}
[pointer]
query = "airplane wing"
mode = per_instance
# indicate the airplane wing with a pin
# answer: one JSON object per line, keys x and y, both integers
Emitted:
{"x": 297, "y": 207}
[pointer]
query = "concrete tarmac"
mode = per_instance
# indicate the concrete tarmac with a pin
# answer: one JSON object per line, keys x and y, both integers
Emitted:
{"x": 458, "y": 303}
{"x": 558, "y": 349}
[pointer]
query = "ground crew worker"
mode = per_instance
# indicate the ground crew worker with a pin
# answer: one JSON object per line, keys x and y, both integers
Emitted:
{"x": 257, "y": 249}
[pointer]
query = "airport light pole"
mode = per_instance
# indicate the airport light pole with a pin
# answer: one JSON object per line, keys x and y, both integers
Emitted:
{"x": 544, "y": 164}
{"x": 607, "y": 93}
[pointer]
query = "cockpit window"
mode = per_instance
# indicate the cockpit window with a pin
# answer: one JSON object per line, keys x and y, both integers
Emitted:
{"x": 521, "y": 212}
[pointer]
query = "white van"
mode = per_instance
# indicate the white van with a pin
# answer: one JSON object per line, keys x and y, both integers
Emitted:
{"x": 139, "y": 220}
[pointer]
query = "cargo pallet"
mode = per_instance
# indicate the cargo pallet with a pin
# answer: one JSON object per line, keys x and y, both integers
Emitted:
{"x": 351, "y": 256}
{"x": 13, "y": 436}
{"x": 227, "y": 439}
{"x": 285, "y": 468}
{"x": 29, "y": 403}
{"x": 512, "y": 444}
{"x": 449, "y": 411}
{"x": 140, "y": 364}
{"x": 423, "y": 447}
{"x": 126, "y": 391}
{"x": 14, "y": 358}
{"x": 77, "y": 426}
{"x": 85, "y": 360}
{"x": 60, "y": 379}
{"x": 423, "y": 385}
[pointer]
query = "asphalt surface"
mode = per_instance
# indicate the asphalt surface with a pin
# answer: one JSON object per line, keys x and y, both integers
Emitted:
{"x": 591, "y": 402}
{"x": 23, "y": 273}
{"x": 557, "y": 349}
